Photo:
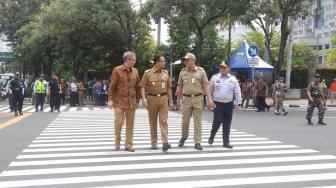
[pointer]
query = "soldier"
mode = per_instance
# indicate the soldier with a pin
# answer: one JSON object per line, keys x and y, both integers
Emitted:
{"x": 17, "y": 86}
{"x": 279, "y": 92}
{"x": 315, "y": 97}
{"x": 324, "y": 88}
{"x": 157, "y": 85}
{"x": 191, "y": 84}
{"x": 124, "y": 96}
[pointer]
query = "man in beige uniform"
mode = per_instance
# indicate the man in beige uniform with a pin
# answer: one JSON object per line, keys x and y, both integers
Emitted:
{"x": 191, "y": 84}
{"x": 157, "y": 85}
{"x": 124, "y": 95}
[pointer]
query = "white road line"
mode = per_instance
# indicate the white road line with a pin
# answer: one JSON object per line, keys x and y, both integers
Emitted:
{"x": 161, "y": 165}
{"x": 156, "y": 157}
{"x": 138, "y": 151}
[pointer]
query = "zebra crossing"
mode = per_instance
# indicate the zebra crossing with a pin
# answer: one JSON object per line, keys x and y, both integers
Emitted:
{"x": 63, "y": 108}
{"x": 81, "y": 154}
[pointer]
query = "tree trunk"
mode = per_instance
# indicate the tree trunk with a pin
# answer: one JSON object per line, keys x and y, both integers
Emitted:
{"x": 311, "y": 73}
{"x": 199, "y": 47}
{"x": 283, "y": 41}
{"x": 229, "y": 43}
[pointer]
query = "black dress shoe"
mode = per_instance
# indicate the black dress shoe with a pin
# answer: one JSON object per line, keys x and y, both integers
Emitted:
{"x": 166, "y": 147}
{"x": 321, "y": 122}
{"x": 211, "y": 140}
{"x": 181, "y": 142}
{"x": 198, "y": 147}
{"x": 229, "y": 146}
{"x": 154, "y": 147}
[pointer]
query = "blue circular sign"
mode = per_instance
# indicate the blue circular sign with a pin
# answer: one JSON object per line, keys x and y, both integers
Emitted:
{"x": 253, "y": 50}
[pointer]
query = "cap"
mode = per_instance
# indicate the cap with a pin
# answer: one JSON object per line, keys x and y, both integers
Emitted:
{"x": 323, "y": 80}
{"x": 17, "y": 73}
{"x": 189, "y": 56}
{"x": 317, "y": 76}
{"x": 281, "y": 78}
{"x": 223, "y": 65}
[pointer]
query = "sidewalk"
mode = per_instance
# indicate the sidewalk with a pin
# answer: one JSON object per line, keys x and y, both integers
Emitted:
{"x": 297, "y": 102}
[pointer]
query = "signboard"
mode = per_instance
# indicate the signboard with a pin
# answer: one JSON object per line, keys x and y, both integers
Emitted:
{"x": 253, "y": 61}
{"x": 253, "y": 50}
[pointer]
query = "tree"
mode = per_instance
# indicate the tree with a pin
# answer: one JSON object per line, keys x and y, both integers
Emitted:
{"x": 331, "y": 54}
{"x": 194, "y": 17}
{"x": 267, "y": 14}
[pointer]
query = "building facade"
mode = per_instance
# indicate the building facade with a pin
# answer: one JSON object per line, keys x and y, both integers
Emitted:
{"x": 317, "y": 29}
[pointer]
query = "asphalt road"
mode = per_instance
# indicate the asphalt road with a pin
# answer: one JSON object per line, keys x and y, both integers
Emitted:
{"x": 75, "y": 149}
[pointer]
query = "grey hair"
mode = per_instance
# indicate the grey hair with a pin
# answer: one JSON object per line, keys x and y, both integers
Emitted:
{"x": 128, "y": 55}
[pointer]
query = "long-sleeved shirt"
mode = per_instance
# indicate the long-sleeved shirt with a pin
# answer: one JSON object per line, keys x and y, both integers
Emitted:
{"x": 225, "y": 88}
{"x": 124, "y": 87}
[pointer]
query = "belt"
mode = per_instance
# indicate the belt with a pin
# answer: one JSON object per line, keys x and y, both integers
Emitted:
{"x": 157, "y": 95}
{"x": 223, "y": 101}
{"x": 192, "y": 95}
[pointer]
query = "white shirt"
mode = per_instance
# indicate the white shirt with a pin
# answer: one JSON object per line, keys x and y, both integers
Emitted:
{"x": 225, "y": 88}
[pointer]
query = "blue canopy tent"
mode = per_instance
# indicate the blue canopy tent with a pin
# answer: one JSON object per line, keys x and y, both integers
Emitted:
{"x": 239, "y": 63}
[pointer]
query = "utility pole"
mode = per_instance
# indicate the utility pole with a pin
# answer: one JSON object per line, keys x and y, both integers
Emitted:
{"x": 290, "y": 49}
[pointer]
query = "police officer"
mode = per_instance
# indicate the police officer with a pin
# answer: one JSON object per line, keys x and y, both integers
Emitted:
{"x": 315, "y": 97}
{"x": 279, "y": 93}
{"x": 40, "y": 91}
{"x": 17, "y": 86}
{"x": 224, "y": 89}
{"x": 157, "y": 85}
{"x": 192, "y": 82}
{"x": 54, "y": 92}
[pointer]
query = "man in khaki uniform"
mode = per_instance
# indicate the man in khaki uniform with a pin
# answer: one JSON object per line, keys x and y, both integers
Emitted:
{"x": 124, "y": 95}
{"x": 191, "y": 84}
{"x": 157, "y": 85}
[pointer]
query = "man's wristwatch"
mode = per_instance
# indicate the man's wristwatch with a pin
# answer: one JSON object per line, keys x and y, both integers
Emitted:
{"x": 239, "y": 105}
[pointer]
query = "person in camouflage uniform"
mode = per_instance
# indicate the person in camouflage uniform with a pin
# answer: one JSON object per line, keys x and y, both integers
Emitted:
{"x": 279, "y": 92}
{"x": 315, "y": 97}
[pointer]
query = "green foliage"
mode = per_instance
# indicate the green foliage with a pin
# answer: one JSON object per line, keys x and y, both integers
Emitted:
{"x": 303, "y": 56}
{"x": 82, "y": 35}
{"x": 331, "y": 54}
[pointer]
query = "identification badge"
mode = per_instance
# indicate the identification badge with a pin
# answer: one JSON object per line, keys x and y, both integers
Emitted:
{"x": 193, "y": 80}
{"x": 163, "y": 85}
{"x": 153, "y": 83}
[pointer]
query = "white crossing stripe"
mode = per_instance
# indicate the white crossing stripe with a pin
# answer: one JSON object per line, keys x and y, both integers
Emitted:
{"x": 77, "y": 150}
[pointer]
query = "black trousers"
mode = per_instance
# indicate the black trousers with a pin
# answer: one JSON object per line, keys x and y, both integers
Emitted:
{"x": 222, "y": 115}
{"x": 55, "y": 101}
{"x": 74, "y": 100}
{"x": 17, "y": 101}
{"x": 39, "y": 100}
{"x": 261, "y": 103}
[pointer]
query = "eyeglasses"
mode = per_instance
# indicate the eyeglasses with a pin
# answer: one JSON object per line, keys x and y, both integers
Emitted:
{"x": 132, "y": 59}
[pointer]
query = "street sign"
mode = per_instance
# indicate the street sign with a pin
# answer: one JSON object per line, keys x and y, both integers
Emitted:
{"x": 253, "y": 50}
{"x": 253, "y": 61}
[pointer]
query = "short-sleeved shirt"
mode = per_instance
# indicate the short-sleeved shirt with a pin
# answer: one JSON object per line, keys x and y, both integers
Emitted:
{"x": 156, "y": 81}
{"x": 124, "y": 87}
{"x": 192, "y": 81}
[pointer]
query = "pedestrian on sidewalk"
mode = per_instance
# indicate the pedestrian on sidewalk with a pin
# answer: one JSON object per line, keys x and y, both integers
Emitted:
{"x": 156, "y": 93}
{"x": 17, "y": 86}
{"x": 315, "y": 97}
{"x": 246, "y": 93}
{"x": 54, "y": 93}
{"x": 261, "y": 93}
{"x": 279, "y": 92}
{"x": 192, "y": 82}
{"x": 124, "y": 94}
{"x": 225, "y": 90}
{"x": 81, "y": 92}
{"x": 9, "y": 94}
{"x": 333, "y": 91}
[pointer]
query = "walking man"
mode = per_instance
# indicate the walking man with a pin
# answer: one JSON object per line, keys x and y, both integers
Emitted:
{"x": 315, "y": 97}
{"x": 192, "y": 82}
{"x": 225, "y": 90}
{"x": 124, "y": 95}
{"x": 17, "y": 86}
{"x": 54, "y": 92}
{"x": 261, "y": 93}
{"x": 40, "y": 91}
{"x": 157, "y": 85}
{"x": 279, "y": 92}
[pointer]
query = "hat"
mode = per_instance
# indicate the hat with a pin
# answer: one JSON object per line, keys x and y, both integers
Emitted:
{"x": 281, "y": 78}
{"x": 317, "y": 76}
{"x": 17, "y": 73}
{"x": 223, "y": 65}
{"x": 189, "y": 56}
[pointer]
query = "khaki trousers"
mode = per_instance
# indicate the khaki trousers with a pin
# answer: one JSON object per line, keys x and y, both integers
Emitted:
{"x": 120, "y": 115}
{"x": 192, "y": 106}
{"x": 158, "y": 106}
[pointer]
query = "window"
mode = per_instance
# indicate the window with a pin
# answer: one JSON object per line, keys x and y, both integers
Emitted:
{"x": 326, "y": 46}
{"x": 320, "y": 47}
{"x": 320, "y": 60}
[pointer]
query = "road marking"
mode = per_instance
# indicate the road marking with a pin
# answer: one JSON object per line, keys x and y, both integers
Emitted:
{"x": 14, "y": 120}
